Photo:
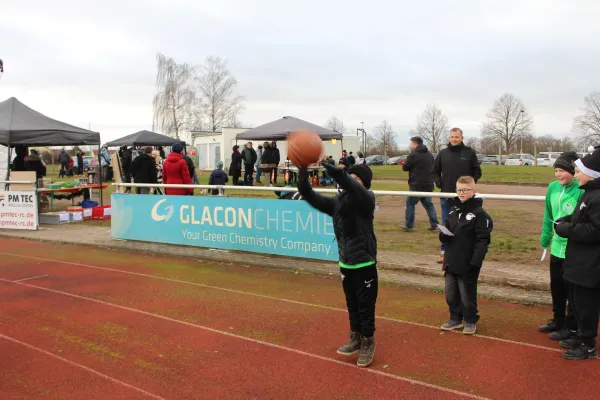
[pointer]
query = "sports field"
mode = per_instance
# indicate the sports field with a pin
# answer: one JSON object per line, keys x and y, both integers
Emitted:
{"x": 80, "y": 322}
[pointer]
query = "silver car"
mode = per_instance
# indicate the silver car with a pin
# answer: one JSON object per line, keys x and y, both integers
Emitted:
{"x": 547, "y": 159}
{"x": 520, "y": 159}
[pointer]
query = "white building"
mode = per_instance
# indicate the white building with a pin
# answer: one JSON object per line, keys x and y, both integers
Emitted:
{"x": 213, "y": 147}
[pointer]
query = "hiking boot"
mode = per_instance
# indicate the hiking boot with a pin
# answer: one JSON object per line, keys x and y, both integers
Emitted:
{"x": 470, "y": 329}
{"x": 581, "y": 352}
{"x": 550, "y": 326}
{"x": 367, "y": 351}
{"x": 569, "y": 343}
{"x": 441, "y": 259}
{"x": 408, "y": 229}
{"x": 563, "y": 334}
{"x": 451, "y": 325}
{"x": 352, "y": 347}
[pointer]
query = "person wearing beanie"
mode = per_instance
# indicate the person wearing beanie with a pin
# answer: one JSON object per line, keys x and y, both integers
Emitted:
{"x": 352, "y": 211}
{"x": 218, "y": 177}
{"x": 582, "y": 261}
{"x": 561, "y": 198}
{"x": 177, "y": 148}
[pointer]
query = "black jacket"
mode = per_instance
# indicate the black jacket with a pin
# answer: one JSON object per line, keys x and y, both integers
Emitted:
{"x": 235, "y": 168}
{"x": 217, "y": 177}
{"x": 582, "y": 228}
{"x": 352, "y": 211}
{"x": 190, "y": 165}
{"x": 143, "y": 169}
{"x": 419, "y": 165}
{"x": 63, "y": 157}
{"x": 270, "y": 156}
{"x": 249, "y": 156}
{"x": 472, "y": 228}
{"x": 452, "y": 163}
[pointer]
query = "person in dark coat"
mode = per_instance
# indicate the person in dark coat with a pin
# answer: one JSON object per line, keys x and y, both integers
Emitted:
{"x": 143, "y": 170}
{"x": 269, "y": 160}
{"x": 249, "y": 156}
{"x": 176, "y": 172}
{"x": 63, "y": 159}
{"x": 419, "y": 165}
{"x": 33, "y": 162}
{"x": 235, "y": 168}
{"x": 470, "y": 227}
{"x": 276, "y": 159}
{"x": 218, "y": 177}
{"x": 582, "y": 259}
{"x": 451, "y": 163}
{"x": 351, "y": 160}
{"x": 352, "y": 211}
{"x": 79, "y": 162}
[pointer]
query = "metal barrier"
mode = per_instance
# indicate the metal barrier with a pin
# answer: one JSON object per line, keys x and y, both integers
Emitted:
{"x": 293, "y": 189}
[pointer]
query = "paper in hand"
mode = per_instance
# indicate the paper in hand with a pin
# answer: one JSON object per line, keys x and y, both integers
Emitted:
{"x": 445, "y": 230}
{"x": 544, "y": 254}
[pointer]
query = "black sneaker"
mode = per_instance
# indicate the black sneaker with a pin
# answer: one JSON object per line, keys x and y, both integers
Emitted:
{"x": 569, "y": 343}
{"x": 563, "y": 334}
{"x": 551, "y": 326}
{"x": 581, "y": 352}
{"x": 353, "y": 345}
{"x": 367, "y": 351}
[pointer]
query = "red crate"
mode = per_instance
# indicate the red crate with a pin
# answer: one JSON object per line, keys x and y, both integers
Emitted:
{"x": 101, "y": 212}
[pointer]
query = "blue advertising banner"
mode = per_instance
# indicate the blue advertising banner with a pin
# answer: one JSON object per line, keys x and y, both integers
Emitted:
{"x": 282, "y": 227}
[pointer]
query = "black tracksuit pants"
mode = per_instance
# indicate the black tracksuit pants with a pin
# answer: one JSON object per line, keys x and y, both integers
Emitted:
{"x": 360, "y": 287}
{"x": 563, "y": 311}
{"x": 461, "y": 296}
{"x": 586, "y": 305}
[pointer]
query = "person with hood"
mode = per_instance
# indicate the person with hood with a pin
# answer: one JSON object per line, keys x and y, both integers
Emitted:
{"x": 176, "y": 172}
{"x": 582, "y": 259}
{"x": 235, "y": 168}
{"x": 454, "y": 161}
{"x": 143, "y": 170}
{"x": 105, "y": 163}
{"x": 257, "y": 164}
{"x": 249, "y": 157}
{"x": 218, "y": 177}
{"x": 276, "y": 159}
{"x": 352, "y": 211}
{"x": 33, "y": 162}
{"x": 470, "y": 229}
{"x": 360, "y": 159}
{"x": 561, "y": 198}
{"x": 419, "y": 165}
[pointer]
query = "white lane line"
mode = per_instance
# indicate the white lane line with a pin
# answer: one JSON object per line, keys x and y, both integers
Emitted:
{"x": 28, "y": 279}
{"x": 109, "y": 378}
{"x": 232, "y": 335}
{"x": 263, "y": 296}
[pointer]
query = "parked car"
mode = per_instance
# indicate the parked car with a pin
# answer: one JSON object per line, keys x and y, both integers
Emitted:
{"x": 398, "y": 160}
{"x": 480, "y": 158}
{"x": 493, "y": 160}
{"x": 547, "y": 159}
{"x": 89, "y": 162}
{"x": 520, "y": 159}
{"x": 376, "y": 160}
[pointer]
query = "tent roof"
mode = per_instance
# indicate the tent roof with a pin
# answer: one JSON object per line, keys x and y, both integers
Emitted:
{"x": 144, "y": 138}
{"x": 281, "y": 128}
{"x": 23, "y": 125}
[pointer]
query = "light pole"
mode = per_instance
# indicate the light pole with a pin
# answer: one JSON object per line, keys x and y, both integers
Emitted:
{"x": 521, "y": 114}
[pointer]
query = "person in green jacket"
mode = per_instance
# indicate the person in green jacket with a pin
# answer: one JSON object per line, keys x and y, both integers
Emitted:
{"x": 561, "y": 199}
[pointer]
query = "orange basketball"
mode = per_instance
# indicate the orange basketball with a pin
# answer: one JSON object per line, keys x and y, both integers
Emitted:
{"x": 304, "y": 148}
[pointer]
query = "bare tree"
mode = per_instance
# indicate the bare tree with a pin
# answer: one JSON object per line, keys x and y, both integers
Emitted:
{"x": 336, "y": 125}
{"x": 175, "y": 100}
{"x": 588, "y": 124}
{"x": 508, "y": 121}
{"x": 385, "y": 137}
{"x": 432, "y": 126}
{"x": 220, "y": 106}
{"x": 474, "y": 143}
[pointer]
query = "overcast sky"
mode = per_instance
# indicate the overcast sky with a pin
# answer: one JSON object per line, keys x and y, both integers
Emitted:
{"x": 358, "y": 60}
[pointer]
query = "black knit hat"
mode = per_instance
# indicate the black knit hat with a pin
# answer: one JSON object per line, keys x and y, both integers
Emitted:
{"x": 565, "y": 161}
{"x": 363, "y": 172}
{"x": 343, "y": 161}
{"x": 590, "y": 164}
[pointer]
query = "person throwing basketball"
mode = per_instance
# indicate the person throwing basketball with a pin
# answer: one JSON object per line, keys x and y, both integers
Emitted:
{"x": 352, "y": 211}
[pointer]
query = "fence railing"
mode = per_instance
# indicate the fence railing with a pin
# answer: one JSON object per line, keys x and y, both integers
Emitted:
{"x": 318, "y": 190}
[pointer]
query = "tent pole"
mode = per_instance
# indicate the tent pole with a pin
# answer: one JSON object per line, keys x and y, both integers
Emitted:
{"x": 100, "y": 177}
{"x": 6, "y": 178}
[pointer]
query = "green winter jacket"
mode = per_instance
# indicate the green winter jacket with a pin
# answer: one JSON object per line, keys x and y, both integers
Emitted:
{"x": 560, "y": 202}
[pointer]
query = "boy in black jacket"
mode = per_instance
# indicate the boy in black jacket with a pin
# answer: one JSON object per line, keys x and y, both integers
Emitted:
{"x": 471, "y": 229}
{"x": 352, "y": 211}
{"x": 582, "y": 259}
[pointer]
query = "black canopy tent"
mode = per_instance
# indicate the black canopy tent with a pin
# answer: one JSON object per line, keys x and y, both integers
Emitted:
{"x": 21, "y": 125}
{"x": 281, "y": 128}
{"x": 145, "y": 138}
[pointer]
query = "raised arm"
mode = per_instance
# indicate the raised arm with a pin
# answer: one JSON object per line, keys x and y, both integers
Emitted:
{"x": 352, "y": 186}
{"x": 324, "y": 204}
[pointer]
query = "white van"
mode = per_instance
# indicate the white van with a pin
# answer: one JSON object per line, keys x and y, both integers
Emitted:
{"x": 547, "y": 159}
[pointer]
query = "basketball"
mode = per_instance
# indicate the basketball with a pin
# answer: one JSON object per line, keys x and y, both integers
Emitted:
{"x": 304, "y": 148}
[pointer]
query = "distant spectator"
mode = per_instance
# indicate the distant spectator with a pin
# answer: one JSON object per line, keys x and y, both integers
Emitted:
{"x": 235, "y": 168}
{"x": 80, "y": 162}
{"x": 218, "y": 177}
{"x": 63, "y": 159}
{"x": 351, "y": 160}
{"x": 143, "y": 170}
{"x": 33, "y": 162}
{"x": 176, "y": 172}
{"x": 249, "y": 156}
{"x": 159, "y": 170}
{"x": 360, "y": 158}
{"x": 259, "y": 154}
{"x": 105, "y": 163}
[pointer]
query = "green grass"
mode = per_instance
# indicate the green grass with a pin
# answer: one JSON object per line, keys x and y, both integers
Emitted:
{"x": 490, "y": 174}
